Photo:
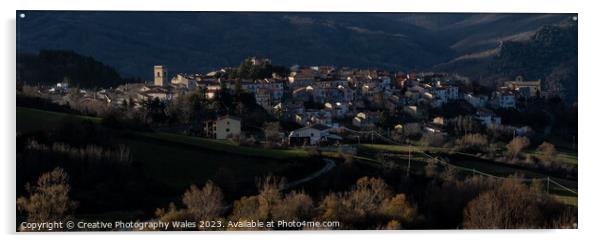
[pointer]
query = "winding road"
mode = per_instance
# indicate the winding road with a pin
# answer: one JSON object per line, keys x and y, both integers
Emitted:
{"x": 327, "y": 167}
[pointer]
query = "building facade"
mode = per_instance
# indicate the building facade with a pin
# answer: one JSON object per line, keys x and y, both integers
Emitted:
{"x": 161, "y": 74}
{"x": 223, "y": 127}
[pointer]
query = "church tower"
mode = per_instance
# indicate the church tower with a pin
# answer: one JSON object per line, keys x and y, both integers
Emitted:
{"x": 160, "y": 75}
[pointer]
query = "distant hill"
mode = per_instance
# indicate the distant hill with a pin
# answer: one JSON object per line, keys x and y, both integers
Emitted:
{"x": 550, "y": 55}
{"x": 133, "y": 42}
{"x": 52, "y": 66}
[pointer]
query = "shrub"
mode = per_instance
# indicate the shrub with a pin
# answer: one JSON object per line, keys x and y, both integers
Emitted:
{"x": 294, "y": 206}
{"x": 245, "y": 208}
{"x": 393, "y": 225}
{"x": 204, "y": 204}
{"x": 516, "y": 146}
{"x": 172, "y": 213}
{"x": 369, "y": 202}
{"x": 433, "y": 139}
{"x": 89, "y": 153}
{"x": 398, "y": 207}
{"x": 547, "y": 151}
{"x": 271, "y": 131}
{"x": 49, "y": 199}
{"x": 472, "y": 143}
{"x": 260, "y": 206}
{"x": 269, "y": 195}
{"x": 510, "y": 205}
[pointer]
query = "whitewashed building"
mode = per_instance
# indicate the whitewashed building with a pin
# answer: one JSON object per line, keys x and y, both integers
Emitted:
{"x": 311, "y": 135}
{"x": 223, "y": 127}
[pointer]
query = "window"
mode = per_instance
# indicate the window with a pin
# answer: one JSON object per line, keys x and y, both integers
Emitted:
{"x": 158, "y": 74}
{"x": 312, "y": 134}
{"x": 227, "y": 129}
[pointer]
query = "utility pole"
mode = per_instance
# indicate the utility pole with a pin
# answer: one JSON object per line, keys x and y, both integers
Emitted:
{"x": 409, "y": 159}
{"x": 548, "y": 185}
{"x": 372, "y": 134}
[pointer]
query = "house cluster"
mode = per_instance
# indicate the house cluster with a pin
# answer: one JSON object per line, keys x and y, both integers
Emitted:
{"x": 507, "y": 95}
{"x": 322, "y": 98}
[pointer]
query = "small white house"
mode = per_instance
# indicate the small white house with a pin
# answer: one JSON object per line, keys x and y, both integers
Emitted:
{"x": 223, "y": 127}
{"x": 311, "y": 135}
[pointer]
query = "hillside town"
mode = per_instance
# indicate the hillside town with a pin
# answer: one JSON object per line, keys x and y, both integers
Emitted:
{"x": 228, "y": 121}
{"x": 324, "y": 101}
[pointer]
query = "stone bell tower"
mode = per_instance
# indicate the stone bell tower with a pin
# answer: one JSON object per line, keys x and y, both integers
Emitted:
{"x": 160, "y": 75}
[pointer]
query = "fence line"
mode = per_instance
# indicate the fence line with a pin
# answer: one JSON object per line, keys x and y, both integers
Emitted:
{"x": 561, "y": 186}
{"x": 460, "y": 167}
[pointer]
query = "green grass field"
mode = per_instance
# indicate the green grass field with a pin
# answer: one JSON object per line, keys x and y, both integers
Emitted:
{"x": 227, "y": 146}
{"x": 563, "y": 157}
{"x": 174, "y": 159}
{"x": 181, "y": 166}
{"x": 469, "y": 162}
{"x": 29, "y": 119}
{"x": 476, "y": 163}
{"x": 402, "y": 149}
{"x": 569, "y": 200}
{"x": 179, "y": 160}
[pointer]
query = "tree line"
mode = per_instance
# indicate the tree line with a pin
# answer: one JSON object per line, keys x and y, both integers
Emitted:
{"x": 370, "y": 203}
{"x": 49, "y": 67}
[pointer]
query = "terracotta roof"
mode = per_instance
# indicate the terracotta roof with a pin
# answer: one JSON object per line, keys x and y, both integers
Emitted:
{"x": 229, "y": 116}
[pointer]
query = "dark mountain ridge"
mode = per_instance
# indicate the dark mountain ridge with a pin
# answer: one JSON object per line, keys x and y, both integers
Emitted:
{"x": 132, "y": 42}
{"x": 198, "y": 41}
{"x": 549, "y": 55}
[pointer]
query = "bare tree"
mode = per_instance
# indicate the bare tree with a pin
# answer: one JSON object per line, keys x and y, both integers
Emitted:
{"x": 363, "y": 199}
{"x": 511, "y": 205}
{"x": 204, "y": 204}
{"x": 269, "y": 195}
{"x": 548, "y": 152}
{"x": 172, "y": 213}
{"x": 516, "y": 146}
{"x": 49, "y": 199}
{"x": 392, "y": 225}
{"x": 368, "y": 194}
{"x": 473, "y": 142}
{"x": 271, "y": 131}
{"x": 370, "y": 198}
{"x": 398, "y": 207}
{"x": 261, "y": 206}
{"x": 332, "y": 207}
{"x": 245, "y": 208}
{"x": 294, "y": 206}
